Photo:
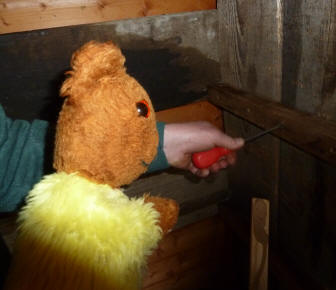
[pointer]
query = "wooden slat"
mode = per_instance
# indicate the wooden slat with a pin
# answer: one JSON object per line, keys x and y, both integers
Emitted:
{"x": 184, "y": 259}
{"x": 175, "y": 266}
{"x": 307, "y": 132}
{"x": 286, "y": 274}
{"x": 259, "y": 244}
{"x": 309, "y": 57}
{"x": 199, "y": 111}
{"x": 190, "y": 236}
{"x": 22, "y": 15}
{"x": 191, "y": 279}
{"x": 307, "y": 185}
{"x": 250, "y": 51}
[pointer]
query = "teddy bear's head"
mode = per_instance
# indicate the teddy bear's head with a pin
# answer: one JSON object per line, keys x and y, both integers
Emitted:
{"x": 106, "y": 130}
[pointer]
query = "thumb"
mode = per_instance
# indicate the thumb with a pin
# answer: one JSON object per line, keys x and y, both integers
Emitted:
{"x": 230, "y": 143}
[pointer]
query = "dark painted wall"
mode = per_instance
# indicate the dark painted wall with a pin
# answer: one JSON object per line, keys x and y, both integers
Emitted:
{"x": 163, "y": 53}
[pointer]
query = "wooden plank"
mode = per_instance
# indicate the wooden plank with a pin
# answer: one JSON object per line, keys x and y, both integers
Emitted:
{"x": 307, "y": 213}
{"x": 287, "y": 275}
{"x": 250, "y": 52}
{"x": 22, "y": 15}
{"x": 199, "y": 111}
{"x": 309, "y": 79}
{"x": 174, "y": 266}
{"x": 184, "y": 259}
{"x": 251, "y": 57}
{"x": 260, "y": 213}
{"x": 190, "y": 279}
{"x": 307, "y": 184}
{"x": 308, "y": 132}
{"x": 189, "y": 236}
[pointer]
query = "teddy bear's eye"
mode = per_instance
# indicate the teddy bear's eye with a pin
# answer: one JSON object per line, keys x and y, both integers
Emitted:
{"x": 143, "y": 108}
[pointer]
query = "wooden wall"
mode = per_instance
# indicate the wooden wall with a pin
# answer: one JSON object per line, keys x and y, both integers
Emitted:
{"x": 285, "y": 51}
{"x": 173, "y": 56}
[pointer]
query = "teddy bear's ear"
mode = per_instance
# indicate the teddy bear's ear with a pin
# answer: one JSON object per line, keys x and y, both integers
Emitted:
{"x": 91, "y": 62}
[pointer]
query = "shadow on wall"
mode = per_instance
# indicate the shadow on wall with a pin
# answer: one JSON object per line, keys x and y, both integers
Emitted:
{"x": 33, "y": 66}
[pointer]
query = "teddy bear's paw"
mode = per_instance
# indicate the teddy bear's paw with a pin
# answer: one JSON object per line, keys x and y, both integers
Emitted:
{"x": 168, "y": 209}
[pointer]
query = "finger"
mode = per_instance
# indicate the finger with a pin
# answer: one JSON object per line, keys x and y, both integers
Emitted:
{"x": 198, "y": 172}
{"x": 193, "y": 169}
{"x": 214, "y": 168}
{"x": 231, "y": 158}
{"x": 223, "y": 163}
{"x": 204, "y": 172}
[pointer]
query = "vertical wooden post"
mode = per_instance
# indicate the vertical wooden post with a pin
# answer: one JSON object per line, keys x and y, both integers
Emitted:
{"x": 259, "y": 244}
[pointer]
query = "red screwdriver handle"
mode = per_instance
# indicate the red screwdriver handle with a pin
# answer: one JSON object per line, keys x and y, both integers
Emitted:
{"x": 206, "y": 158}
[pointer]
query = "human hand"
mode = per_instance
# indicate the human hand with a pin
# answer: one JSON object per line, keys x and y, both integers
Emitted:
{"x": 181, "y": 140}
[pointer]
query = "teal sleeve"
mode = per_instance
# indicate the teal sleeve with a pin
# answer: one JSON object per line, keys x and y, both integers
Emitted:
{"x": 22, "y": 147}
{"x": 160, "y": 161}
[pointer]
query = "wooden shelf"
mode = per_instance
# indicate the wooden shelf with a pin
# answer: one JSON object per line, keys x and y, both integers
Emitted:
{"x": 198, "y": 111}
{"x": 22, "y": 15}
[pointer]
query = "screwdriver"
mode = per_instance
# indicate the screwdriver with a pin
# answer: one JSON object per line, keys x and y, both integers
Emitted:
{"x": 205, "y": 159}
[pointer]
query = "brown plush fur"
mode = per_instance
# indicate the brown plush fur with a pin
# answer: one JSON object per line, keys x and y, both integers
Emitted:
{"x": 100, "y": 134}
{"x": 167, "y": 208}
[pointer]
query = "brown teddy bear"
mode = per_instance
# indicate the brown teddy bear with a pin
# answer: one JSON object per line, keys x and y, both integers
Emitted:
{"x": 78, "y": 229}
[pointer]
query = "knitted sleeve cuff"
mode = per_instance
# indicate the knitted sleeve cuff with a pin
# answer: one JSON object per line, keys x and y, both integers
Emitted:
{"x": 21, "y": 159}
{"x": 160, "y": 161}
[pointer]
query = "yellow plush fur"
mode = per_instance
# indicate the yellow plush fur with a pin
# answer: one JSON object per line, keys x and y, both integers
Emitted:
{"x": 93, "y": 237}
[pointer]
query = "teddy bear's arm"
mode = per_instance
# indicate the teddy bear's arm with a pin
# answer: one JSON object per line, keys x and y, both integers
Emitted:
{"x": 168, "y": 210}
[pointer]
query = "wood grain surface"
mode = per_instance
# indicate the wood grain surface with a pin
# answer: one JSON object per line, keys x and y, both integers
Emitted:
{"x": 22, "y": 15}
{"x": 285, "y": 51}
{"x": 308, "y": 132}
{"x": 250, "y": 52}
{"x": 259, "y": 244}
{"x": 202, "y": 110}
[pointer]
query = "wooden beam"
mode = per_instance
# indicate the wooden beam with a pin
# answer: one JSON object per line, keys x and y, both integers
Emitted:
{"x": 308, "y": 132}
{"x": 22, "y": 15}
{"x": 198, "y": 111}
{"x": 260, "y": 213}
